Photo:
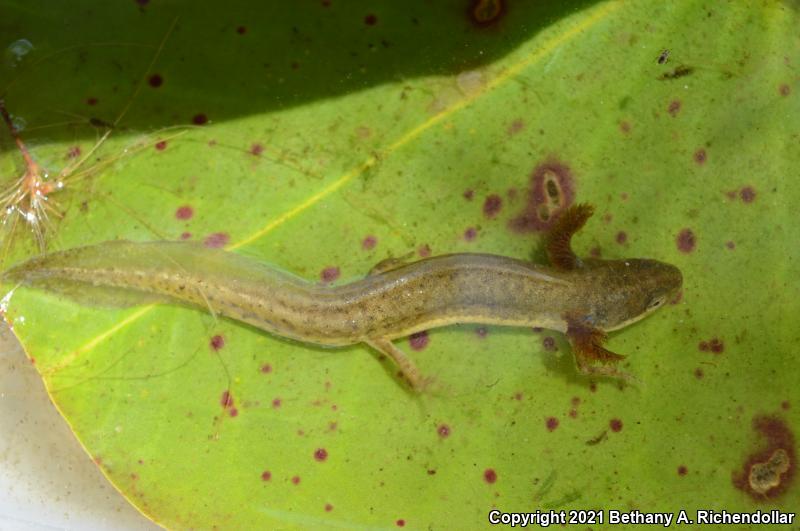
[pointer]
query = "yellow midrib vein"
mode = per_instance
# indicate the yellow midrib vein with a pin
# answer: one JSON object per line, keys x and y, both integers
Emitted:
{"x": 599, "y": 14}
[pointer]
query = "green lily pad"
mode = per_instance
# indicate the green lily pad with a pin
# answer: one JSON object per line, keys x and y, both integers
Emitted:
{"x": 328, "y": 137}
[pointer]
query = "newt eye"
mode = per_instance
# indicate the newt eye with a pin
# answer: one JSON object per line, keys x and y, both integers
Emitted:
{"x": 655, "y": 303}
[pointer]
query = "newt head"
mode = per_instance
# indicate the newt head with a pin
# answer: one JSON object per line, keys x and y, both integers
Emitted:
{"x": 614, "y": 293}
{"x": 629, "y": 290}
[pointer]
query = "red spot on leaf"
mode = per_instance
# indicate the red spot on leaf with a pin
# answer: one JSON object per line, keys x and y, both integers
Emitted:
{"x": 700, "y": 156}
{"x": 266, "y": 475}
{"x": 686, "y": 241}
{"x": 241, "y": 30}
{"x": 481, "y": 331}
{"x": 370, "y": 20}
{"x": 622, "y": 237}
{"x": 296, "y": 480}
{"x": 400, "y": 523}
{"x": 216, "y": 240}
{"x": 489, "y": 475}
{"x": 470, "y": 234}
{"x": 155, "y": 80}
{"x": 730, "y": 244}
{"x": 200, "y": 119}
{"x": 161, "y": 145}
{"x": 698, "y": 373}
{"x": 515, "y": 127}
{"x": 329, "y": 274}
{"x": 91, "y": 101}
{"x": 492, "y": 206}
{"x": 615, "y": 425}
{"x": 256, "y": 149}
{"x": 551, "y": 423}
{"x": 625, "y": 127}
{"x": 328, "y": 507}
{"x": 266, "y": 368}
{"x": 226, "y": 399}
{"x": 715, "y": 345}
{"x": 369, "y": 242}
{"x": 186, "y": 235}
{"x": 785, "y": 405}
{"x": 443, "y": 430}
{"x": 748, "y": 194}
{"x": 419, "y": 340}
{"x": 217, "y": 342}
{"x": 276, "y": 403}
{"x": 549, "y": 344}
{"x": 424, "y": 251}
{"x": 184, "y": 212}
{"x": 674, "y": 108}
{"x": 784, "y": 90}
{"x": 233, "y": 412}
{"x": 469, "y": 195}
{"x": 682, "y": 470}
{"x": 320, "y": 454}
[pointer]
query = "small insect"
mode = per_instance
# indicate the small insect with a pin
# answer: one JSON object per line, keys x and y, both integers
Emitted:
{"x": 663, "y": 57}
{"x": 679, "y": 72}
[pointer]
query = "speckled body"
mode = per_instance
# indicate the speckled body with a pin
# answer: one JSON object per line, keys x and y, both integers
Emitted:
{"x": 456, "y": 288}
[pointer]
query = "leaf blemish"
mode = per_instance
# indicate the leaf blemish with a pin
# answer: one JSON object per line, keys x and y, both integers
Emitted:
{"x": 184, "y": 212}
{"x": 747, "y": 194}
{"x": 489, "y": 476}
{"x": 155, "y": 80}
{"x": 470, "y": 234}
{"x": 551, "y": 191}
{"x": 256, "y": 149}
{"x": 700, "y": 156}
{"x": 226, "y": 399}
{"x": 686, "y": 241}
{"x": 551, "y": 423}
{"x": 329, "y": 274}
{"x": 492, "y": 206}
{"x": 216, "y": 342}
{"x": 216, "y": 240}
{"x": 419, "y": 340}
{"x": 369, "y": 242}
{"x": 515, "y": 127}
{"x": 484, "y": 13}
{"x": 715, "y": 345}
{"x": 200, "y": 119}
{"x": 768, "y": 472}
{"x": 320, "y": 454}
{"x": 674, "y": 108}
